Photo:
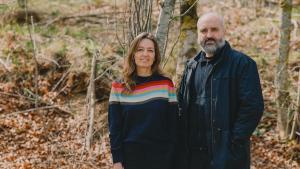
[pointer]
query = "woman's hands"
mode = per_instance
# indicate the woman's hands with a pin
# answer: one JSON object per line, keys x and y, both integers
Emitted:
{"x": 118, "y": 166}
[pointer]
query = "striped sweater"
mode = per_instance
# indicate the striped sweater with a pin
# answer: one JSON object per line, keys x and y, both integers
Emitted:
{"x": 145, "y": 116}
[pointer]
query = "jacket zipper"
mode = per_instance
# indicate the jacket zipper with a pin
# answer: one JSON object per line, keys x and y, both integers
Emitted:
{"x": 211, "y": 110}
{"x": 211, "y": 116}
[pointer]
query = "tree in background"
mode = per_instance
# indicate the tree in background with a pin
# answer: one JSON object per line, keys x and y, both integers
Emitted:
{"x": 21, "y": 3}
{"x": 281, "y": 79}
{"x": 188, "y": 34}
{"x": 140, "y": 17}
{"x": 166, "y": 12}
{"x": 139, "y": 20}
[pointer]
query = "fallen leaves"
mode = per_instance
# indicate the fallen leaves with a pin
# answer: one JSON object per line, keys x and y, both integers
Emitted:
{"x": 48, "y": 140}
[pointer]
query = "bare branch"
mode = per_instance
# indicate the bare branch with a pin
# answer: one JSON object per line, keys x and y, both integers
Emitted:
{"x": 34, "y": 51}
{"x": 105, "y": 71}
{"x": 60, "y": 80}
{"x": 116, "y": 27}
{"x": 91, "y": 97}
{"x": 174, "y": 17}
{"x": 15, "y": 95}
{"x": 172, "y": 49}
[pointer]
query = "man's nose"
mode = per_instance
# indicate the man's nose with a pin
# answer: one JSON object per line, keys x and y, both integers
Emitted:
{"x": 209, "y": 34}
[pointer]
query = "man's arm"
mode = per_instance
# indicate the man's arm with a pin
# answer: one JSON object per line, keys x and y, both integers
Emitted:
{"x": 250, "y": 102}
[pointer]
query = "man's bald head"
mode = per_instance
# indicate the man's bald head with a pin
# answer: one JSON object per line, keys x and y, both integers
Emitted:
{"x": 211, "y": 33}
{"x": 212, "y": 17}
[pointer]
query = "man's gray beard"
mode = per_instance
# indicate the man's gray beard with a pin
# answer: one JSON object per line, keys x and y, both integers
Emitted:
{"x": 211, "y": 49}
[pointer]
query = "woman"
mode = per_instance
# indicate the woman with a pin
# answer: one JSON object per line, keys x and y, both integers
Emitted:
{"x": 142, "y": 110}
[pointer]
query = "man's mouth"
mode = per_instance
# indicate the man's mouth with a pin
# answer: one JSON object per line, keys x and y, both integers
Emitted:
{"x": 210, "y": 42}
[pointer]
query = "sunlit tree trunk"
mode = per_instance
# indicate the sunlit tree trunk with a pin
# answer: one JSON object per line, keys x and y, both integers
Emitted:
{"x": 281, "y": 79}
{"x": 163, "y": 24}
{"x": 188, "y": 35}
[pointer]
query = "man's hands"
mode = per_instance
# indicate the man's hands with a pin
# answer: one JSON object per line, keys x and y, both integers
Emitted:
{"x": 118, "y": 166}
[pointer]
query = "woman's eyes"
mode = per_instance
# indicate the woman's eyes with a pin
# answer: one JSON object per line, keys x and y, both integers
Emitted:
{"x": 141, "y": 49}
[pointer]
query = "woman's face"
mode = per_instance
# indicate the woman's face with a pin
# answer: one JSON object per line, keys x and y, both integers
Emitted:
{"x": 144, "y": 55}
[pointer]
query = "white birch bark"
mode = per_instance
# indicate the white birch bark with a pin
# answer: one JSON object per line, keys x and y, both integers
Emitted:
{"x": 163, "y": 24}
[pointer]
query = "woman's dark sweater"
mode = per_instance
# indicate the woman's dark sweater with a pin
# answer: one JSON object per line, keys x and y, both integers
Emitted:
{"x": 146, "y": 116}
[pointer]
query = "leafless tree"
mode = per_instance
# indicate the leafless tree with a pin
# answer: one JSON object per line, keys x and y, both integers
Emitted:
{"x": 281, "y": 79}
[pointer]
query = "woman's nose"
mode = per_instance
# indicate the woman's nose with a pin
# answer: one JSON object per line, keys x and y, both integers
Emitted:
{"x": 145, "y": 52}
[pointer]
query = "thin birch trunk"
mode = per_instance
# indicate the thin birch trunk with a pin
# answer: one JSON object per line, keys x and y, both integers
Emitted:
{"x": 163, "y": 24}
{"x": 281, "y": 79}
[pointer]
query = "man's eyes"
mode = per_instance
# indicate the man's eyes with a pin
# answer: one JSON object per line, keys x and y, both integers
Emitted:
{"x": 211, "y": 29}
{"x": 203, "y": 30}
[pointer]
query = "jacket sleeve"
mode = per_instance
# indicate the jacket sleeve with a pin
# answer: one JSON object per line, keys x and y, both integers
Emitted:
{"x": 250, "y": 102}
{"x": 180, "y": 159}
{"x": 180, "y": 91}
{"x": 115, "y": 121}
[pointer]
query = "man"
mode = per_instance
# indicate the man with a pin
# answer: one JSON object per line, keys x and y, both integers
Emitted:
{"x": 220, "y": 102}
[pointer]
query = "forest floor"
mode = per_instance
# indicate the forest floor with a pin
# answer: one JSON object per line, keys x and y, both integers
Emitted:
{"x": 54, "y": 135}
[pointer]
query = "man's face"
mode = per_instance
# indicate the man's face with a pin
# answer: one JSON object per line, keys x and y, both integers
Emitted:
{"x": 210, "y": 34}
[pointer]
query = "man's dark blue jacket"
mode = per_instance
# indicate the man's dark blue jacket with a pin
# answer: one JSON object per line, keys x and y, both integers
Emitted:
{"x": 235, "y": 107}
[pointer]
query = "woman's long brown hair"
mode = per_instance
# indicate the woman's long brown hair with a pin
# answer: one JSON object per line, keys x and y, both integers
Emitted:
{"x": 129, "y": 71}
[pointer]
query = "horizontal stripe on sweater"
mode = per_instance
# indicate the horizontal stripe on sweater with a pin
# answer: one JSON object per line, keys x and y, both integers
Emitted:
{"x": 144, "y": 85}
{"x": 143, "y": 97}
{"x": 144, "y": 92}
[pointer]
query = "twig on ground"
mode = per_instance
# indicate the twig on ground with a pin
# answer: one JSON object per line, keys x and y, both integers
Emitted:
{"x": 15, "y": 95}
{"x": 84, "y": 17}
{"x": 55, "y": 62}
{"x": 4, "y": 65}
{"x": 37, "y": 109}
{"x": 60, "y": 80}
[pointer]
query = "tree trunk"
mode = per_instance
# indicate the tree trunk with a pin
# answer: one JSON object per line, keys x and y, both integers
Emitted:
{"x": 22, "y": 3}
{"x": 91, "y": 100}
{"x": 259, "y": 5}
{"x": 140, "y": 18}
{"x": 163, "y": 24}
{"x": 281, "y": 79}
{"x": 188, "y": 35}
